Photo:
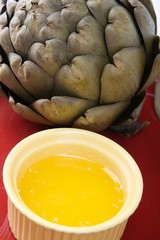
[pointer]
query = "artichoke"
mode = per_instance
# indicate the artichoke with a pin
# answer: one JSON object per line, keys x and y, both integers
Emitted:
{"x": 79, "y": 63}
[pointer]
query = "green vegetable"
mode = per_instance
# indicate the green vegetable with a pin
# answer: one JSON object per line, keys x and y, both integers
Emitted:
{"x": 85, "y": 64}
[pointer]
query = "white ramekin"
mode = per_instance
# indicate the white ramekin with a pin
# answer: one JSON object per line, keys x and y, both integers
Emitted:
{"x": 26, "y": 225}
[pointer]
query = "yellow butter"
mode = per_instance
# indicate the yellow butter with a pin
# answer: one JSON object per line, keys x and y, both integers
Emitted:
{"x": 71, "y": 191}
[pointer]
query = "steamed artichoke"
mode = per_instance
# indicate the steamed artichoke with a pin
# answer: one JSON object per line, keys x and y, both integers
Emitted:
{"x": 79, "y": 63}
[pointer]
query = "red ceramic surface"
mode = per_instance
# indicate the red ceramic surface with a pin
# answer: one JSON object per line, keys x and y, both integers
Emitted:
{"x": 144, "y": 147}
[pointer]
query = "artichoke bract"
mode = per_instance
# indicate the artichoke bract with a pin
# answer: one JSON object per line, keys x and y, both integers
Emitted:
{"x": 79, "y": 63}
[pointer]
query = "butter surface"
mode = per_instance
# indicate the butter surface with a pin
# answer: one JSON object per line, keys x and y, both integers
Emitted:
{"x": 71, "y": 191}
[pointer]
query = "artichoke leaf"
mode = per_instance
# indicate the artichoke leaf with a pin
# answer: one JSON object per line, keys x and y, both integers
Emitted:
{"x": 49, "y": 56}
{"x": 154, "y": 73}
{"x": 73, "y": 11}
{"x": 89, "y": 38}
{"x": 40, "y": 22}
{"x": 19, "y": 34}
{"x": 147, "y": 3}
{"x": 100, "y": 9}
{"x": 133, "y": 110}
{"x": 48, "y": 7}
{"x": 62, "y": 110}
{"x": 3, "y": 19}
{"x": 126, "y": 4}
{"x": 33, "y": 78}
{"x": 121, "y": 80}
{"x": 54, "y": 6}
{"x": 157, "y": 97}
{"x": 23, "y": 4}
{"x": 53, "y": 27}
{"x": 99, "y": 118}
{"x": 121, "y": 31}
{"x": 9, "y": 80}
{"x": 27, "y": 113}
{"x": 2, "y": 5}
{"x": 81, "y": 78}
{"x": 148, "y": 29}
{"x": 5, "y": 40}
{"x": 34, "y": 22}
{"x": 10, "y": 5}
{"x": 139, "y": 100}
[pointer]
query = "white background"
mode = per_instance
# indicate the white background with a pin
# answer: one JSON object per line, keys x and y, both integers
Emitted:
{"x": 156, "y": 4}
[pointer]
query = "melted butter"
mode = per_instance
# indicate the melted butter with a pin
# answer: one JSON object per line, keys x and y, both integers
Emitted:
{"x": 71, "y": 191}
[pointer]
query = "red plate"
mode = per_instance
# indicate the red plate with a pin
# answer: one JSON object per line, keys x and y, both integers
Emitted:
{"x": 144, "y": 147}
